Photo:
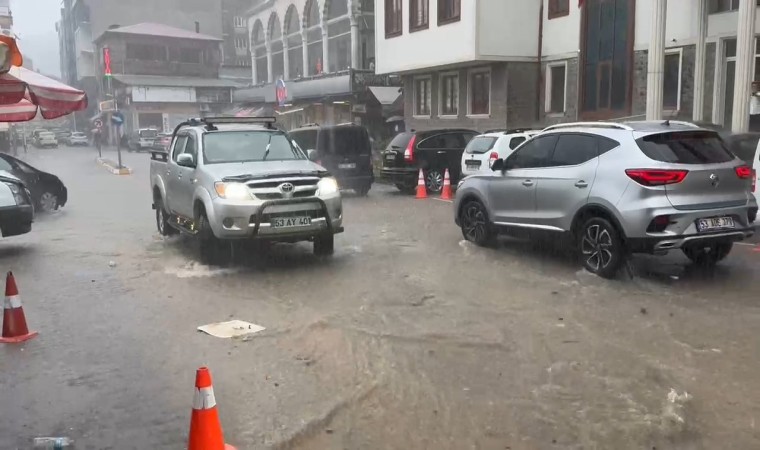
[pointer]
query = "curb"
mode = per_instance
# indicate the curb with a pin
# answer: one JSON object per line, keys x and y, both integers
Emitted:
{"x": 112, "y": 167}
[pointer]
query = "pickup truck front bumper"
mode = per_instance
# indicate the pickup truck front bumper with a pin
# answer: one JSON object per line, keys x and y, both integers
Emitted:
{"x": 241, "y": 220}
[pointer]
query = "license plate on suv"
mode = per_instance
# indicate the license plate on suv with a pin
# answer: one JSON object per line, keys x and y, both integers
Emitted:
{"x": 715, "y": 223}
{"x": 347, "y": 166}
{"x": 290, "y": 222}
{"x": 472, "y": 163}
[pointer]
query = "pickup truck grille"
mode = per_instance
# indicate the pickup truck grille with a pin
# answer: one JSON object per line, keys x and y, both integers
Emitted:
{"x": 270, "y": 189}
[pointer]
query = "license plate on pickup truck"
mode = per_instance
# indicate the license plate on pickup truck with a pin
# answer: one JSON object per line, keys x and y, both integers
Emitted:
{"x": 290, "y": 222}
{"x": 715, "y": 223}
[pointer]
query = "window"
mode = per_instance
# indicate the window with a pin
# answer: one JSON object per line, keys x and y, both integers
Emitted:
{"x": 558, "y": 8}
{"x": 179, "y": 145}
{"x": 449, "y": 11}
{"x": 718, "y": 6}
{"x": 418, "y": 14}
{"x": 449, "y": 87}
{"x": 191, "y": 148}
{"x": 533, "y": 154}
{"x": 480, "y": 145}
{"x": 515, "y": 142}
{"x": 555, "y": 88}
{"x": 392, "y": 18}
{"x": 480, "y": 92}
{"x": 239, "y": 22}
{"x": 574, "y": 149}
{"x": 241, "y": 42}
{"x": 422, "y": 96}
{"x": 685, "y": 147}
{"x": 5, "y": 165}
{"x": 190, "y": 55}
{"x": 146, "y": 52}
{"x": 672, "y": 86}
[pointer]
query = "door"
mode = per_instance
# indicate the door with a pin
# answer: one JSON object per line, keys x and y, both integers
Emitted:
{"x": 512, "y": 195}
{"x": 563, "y": 188}
{"x": 186, "y": 179}
{"x": 171, "y": 175}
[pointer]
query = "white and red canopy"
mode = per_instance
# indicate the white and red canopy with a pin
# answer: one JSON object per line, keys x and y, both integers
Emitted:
{"x": 24, "y": 92}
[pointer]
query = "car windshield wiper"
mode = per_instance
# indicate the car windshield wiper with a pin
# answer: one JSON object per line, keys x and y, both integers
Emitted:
{"x": 269, "y": 145}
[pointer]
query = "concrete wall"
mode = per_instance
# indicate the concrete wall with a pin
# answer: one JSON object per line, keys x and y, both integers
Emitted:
{"x": 176, "y": 13}
{"x": 506, "y": 28}
{"x": 562, "y": 34}
{"x": 513, "y": 99}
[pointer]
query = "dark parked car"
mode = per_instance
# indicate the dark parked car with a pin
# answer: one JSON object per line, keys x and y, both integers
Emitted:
{"x": 48, "y": 192}
{"x": 344, "y": 150}
{"x": 432, "y": 151}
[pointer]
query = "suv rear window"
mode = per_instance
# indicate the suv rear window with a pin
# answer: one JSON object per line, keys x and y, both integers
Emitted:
{"x": 400, "y": 141}
{"x": 306, "y": 139}
{"x": 480, "y": 144}
{"x": 685, "y": 147}
{"x": 344, "y": 141}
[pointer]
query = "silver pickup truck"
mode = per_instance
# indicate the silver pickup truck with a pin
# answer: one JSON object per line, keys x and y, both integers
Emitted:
{"x": 226, "y": 179}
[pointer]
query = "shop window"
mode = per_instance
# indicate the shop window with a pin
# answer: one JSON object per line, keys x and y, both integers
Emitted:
{"x": 555, "y": 88}
{"x": 449, "y": 85}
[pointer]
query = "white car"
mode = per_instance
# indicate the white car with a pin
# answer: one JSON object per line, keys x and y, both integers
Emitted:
{"x": 46, "y": 139}
{"x": 483, "y": 150}
{"x": 77, "y": 138}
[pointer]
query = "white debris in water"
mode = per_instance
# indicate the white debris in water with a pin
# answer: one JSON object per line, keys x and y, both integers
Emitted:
{"x": 112, "y": 264}
{"x": 230, "y": 329}
{"x": 673, "y": 410}
{"x": 194, "y": 269}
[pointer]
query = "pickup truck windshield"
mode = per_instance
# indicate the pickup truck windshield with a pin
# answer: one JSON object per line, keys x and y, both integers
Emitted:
{"x": 247, "y": 146}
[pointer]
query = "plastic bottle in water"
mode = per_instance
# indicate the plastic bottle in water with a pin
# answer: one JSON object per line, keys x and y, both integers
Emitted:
{"x": 52, "y": 443}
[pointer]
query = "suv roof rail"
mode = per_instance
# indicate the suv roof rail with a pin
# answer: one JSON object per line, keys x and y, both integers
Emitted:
{"x": 610, "y": 125}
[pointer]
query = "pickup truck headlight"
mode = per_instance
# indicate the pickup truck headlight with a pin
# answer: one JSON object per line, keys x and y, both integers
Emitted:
{"x": 232, "y": 191}
{"x": 327, "y": 186}
{"x": 18, "y": 194}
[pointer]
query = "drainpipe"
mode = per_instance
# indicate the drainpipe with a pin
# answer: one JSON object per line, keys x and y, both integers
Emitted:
{"x": 540, "y": 57}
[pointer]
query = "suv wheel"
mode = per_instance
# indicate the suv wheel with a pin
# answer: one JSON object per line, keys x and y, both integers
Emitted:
{"x": 324, "y": 245}
{"x": 212, "y": 250}
{"x": 475, "y": 225}
{"x": 434, "y": 181}
{"x": 600, "y": 247}
{"x": 708, "y": 255}
{"x": 162, "y": 220}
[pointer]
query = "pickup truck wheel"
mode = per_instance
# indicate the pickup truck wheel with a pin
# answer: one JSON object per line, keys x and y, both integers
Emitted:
{"x": 324, "y": 245}
{"x": 212, "y": 250}
{"x": 162, "y": 220}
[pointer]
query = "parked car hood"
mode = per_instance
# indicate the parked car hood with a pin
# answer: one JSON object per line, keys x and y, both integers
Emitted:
{"x": 263, "y": 169}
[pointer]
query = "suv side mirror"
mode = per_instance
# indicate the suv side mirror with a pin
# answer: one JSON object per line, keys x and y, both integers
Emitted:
{"x": 498, "y": 165}
{"x": 312, "y": 154}
{"x": 185, "y": 160}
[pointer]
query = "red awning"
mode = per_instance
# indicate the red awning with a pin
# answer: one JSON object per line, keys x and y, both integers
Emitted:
{"x": 24, "y": 92}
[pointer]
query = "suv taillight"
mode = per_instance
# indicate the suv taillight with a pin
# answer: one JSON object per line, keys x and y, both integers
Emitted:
{"x": 656, "y": 177}
{"x": 492, "y": 158}
{"x": 743, "y": 172}
{"x": 409, "y": 152}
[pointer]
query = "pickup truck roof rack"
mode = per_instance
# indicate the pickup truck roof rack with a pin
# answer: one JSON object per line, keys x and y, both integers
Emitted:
{"x": 211, "y": 122}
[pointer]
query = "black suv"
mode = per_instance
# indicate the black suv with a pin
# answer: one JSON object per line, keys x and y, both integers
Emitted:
{"x": 432, "y": 151}
{"x": 344, "y": 150}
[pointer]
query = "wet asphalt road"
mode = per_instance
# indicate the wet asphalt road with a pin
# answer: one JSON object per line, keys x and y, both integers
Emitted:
{"x": 408, "y": 338}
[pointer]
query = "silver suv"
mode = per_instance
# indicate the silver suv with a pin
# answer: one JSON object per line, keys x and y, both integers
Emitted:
{"x": 614, "y": 189}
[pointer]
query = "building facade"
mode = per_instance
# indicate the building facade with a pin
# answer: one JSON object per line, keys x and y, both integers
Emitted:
{"x": 321, "y": 54}
{"x": 83, "y": 21}
{"x": 236, "y": 50}
{"x": 162, "y": 75}
{"x": 509, "y": 63}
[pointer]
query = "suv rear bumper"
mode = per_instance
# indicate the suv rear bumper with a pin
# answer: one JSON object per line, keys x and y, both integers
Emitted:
{"x": 399, "y": 175}
{"x": 660, "y": 245}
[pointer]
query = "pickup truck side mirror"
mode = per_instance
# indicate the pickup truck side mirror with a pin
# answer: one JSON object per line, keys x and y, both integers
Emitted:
{"x": 312, "y": 154}
{"x": 498, "y": 165}
{"x": 185, "y": 160}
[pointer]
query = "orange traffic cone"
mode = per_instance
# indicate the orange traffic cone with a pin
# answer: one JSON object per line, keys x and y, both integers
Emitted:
{"x": 446, "y": 192}
{"x": 14, "y": 322}
{"x": 421, "y": 190}
{"x": 205, "y": 428}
